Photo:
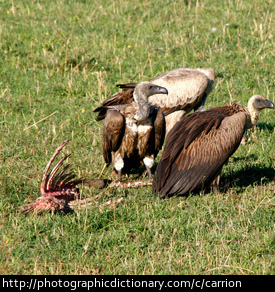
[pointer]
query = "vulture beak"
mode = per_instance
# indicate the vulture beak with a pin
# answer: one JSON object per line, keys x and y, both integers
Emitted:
{"x": 269, "y": 104}
{"x": 162, "y": 90}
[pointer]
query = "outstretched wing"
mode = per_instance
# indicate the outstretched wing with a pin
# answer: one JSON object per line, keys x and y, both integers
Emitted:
{"x": 113, "y": 132}
{"x": 196, "y": 149}
{"x": 187, "y": 88}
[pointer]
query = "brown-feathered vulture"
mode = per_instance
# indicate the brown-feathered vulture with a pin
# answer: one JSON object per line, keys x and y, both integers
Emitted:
{"x": 187, "y": 90}
{"x": 134, "y": 133}
{"x": 201, "y": 143}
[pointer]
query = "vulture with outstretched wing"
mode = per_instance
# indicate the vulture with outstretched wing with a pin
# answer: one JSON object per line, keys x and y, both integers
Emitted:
{"x": 187, "y": 91}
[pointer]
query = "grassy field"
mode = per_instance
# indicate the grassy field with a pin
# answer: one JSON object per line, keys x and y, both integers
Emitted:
{"x": 58, "y": 61}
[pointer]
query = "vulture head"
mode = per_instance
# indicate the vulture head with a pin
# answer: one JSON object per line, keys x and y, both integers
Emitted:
{"x": 255, "y": 104}
{"x": 259, "y": 102}
{"x": 141, "y": 94}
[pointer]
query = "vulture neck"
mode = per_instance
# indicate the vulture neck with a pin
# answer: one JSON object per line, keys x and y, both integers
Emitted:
{"x": 143, "y": 106}
{"x": 254, "y": 116}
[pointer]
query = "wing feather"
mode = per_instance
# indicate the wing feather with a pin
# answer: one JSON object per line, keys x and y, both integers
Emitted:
{"x": 183, "y": 91}
{"x": 186, "y": 89}
{"x": 159, "y": 129}
{"x": 113, "y": 132}
{"x": 119, "y": 98}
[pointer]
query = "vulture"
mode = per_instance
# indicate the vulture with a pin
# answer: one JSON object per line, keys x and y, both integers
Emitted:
{"x": 134, "y": 133}
{"x": 188, "y": 89}
{"x": 201, "y": 143}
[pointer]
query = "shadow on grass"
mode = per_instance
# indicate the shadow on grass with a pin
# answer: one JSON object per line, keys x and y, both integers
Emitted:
{"x": 248, "y": 176}
{"x": 266, "y": 127}
{"x": 239, "y": 180}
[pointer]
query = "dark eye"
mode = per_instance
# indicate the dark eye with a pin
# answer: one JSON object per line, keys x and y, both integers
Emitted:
{"x": 258, "y": 100}
{"x": 150, "y": 87}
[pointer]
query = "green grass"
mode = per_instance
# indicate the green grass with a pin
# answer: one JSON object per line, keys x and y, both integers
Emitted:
{"x": 58, "y": 61}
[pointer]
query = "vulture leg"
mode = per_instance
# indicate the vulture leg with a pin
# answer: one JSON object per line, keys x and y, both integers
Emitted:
{"x": 149, "y": 172}
{"x": 216, "y": 183}
{"x": 149, "y": 162}
{"x": 118, "y": 164}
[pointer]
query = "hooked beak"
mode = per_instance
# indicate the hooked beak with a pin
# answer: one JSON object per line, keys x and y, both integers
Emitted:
{"x": 269, "y": 104}
{"x": 162, "y": 90}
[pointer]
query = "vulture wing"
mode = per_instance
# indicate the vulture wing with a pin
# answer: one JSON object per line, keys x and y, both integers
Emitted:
{"x": 159, "y": 129}
{"x": 113, "y": 132}
{"x": 196, "y": 149}
{"x": 127, "y": 86}
{"x": 119, "y": 98}
{"x": 186, "y": 90}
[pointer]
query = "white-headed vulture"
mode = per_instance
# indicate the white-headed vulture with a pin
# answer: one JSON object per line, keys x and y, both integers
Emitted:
{"x": 134, "y": 133}
{"x": 201, "y": 143}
